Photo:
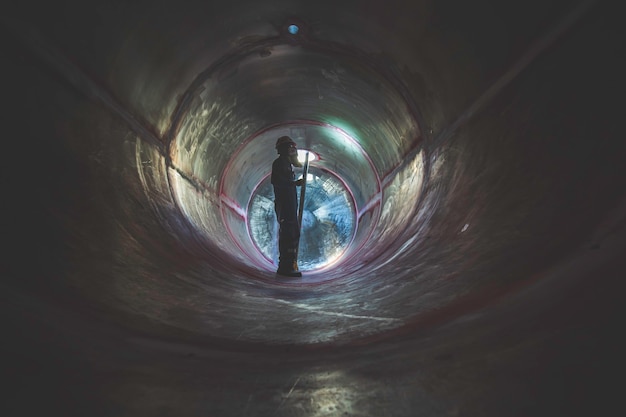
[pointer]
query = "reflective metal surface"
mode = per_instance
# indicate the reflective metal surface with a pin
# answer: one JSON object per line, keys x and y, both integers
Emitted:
{"x": 477, "y": 204}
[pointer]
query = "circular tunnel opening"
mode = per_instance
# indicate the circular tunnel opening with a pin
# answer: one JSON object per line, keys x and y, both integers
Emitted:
{"x": 342, "y": 107}
{"x": 328, "y": 222}
{"x": 505, "y": 301}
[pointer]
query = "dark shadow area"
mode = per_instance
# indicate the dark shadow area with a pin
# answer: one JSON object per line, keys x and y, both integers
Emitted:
{"x": 482, "y": 149}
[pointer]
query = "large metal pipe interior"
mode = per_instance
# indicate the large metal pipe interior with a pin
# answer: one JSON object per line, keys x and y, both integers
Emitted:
{"x": 463, "y": 227}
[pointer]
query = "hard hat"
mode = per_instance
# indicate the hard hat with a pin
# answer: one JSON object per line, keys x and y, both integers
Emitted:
{"x": 283, "y": 141}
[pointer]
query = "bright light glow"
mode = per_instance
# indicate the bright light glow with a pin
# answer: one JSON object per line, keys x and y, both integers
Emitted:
{"x": 293, "y": 29}
{"x": 328, "y": 221}
{"x": 302, "y": 155}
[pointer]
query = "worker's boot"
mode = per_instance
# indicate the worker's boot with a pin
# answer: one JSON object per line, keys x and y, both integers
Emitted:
{"x": 295, "y": 270}
{"x": 290, "y": 271}
{"x": 288, "y": 267}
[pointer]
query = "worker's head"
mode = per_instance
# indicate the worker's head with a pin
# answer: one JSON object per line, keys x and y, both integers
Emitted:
{"x": 287, "y": 147}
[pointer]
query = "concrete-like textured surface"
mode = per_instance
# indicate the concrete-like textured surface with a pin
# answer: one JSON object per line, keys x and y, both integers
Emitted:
{"x": 482, "y": 144}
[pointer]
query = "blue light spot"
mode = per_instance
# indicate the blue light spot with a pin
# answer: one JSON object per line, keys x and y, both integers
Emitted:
{"x": 293, "y": 29}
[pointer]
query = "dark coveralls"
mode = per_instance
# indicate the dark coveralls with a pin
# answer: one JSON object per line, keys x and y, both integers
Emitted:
{"x": 286, "y": 207}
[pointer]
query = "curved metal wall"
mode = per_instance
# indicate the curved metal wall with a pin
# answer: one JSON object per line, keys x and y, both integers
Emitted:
{"x": 486, "y": 274}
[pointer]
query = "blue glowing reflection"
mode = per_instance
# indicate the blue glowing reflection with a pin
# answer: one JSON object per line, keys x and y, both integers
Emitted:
{"x": 328, "y": 221}
{"x": 293, "y": 29}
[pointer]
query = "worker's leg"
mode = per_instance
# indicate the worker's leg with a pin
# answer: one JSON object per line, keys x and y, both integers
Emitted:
{"x": 288, "y": 238}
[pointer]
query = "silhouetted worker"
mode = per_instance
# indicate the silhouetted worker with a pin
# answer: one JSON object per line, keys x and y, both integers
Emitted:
{"x": 286, "y": 205}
